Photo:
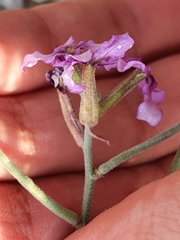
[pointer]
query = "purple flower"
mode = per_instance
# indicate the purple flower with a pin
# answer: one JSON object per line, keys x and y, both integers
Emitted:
{"x": 106, "y": 54}
{"x": 60, "y": 55}
{"x": 110, "y": 54}
{"x": 66, "y": 56}
{"x": 148, "y": 110}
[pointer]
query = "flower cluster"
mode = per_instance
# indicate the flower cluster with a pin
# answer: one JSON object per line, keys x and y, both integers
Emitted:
{"x": 110, "y": 54}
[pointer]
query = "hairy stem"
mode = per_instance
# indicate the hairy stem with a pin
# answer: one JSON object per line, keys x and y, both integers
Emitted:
{"x": 131, "y": 152}
{"x": 68, "y": 215}
{"x": 89, "y": 180}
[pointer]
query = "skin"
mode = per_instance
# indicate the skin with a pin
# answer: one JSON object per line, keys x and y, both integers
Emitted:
{"x": 35, "y": 137}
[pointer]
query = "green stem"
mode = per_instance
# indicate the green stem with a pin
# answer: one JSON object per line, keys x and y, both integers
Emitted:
{"x": 89, "y": 180}
{"x": 176, "y": 163}
{"x": 124, "y": 156}
{"x": 68, "y": 215}
{"x": 120, "y": 91}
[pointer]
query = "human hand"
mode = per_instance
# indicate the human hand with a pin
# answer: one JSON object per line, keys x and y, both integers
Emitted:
{"x": 33, "y": 132}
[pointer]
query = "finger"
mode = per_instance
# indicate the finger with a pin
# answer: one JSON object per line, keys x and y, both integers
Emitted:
{"x": 46, "y": 27}
{"x": 151, "y": 211}
{"x": 152, "y": 35}
{"x": 35, "y": 136}
{"x": 22, "y": 216}
{"x": 19, "y": 35}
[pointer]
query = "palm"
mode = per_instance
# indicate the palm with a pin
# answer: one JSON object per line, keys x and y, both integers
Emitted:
{"x": 33, "y": 132}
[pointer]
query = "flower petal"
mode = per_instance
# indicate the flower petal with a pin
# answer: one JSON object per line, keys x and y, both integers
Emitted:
{"x": 68, "y": 81}
{"x": 125, "y": 65}
{"x": 149, "y": 112}
{"x": 114, "y": 48}
{"x": 31, "y": 59}
{"x": 81, "y": 58}
{"x": 93, "y": 46}
{"x": 158, "y": 96}
{"x": 70, "y": 42}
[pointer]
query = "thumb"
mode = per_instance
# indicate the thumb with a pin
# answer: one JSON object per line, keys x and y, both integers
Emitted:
{"x": 151, "y": 211}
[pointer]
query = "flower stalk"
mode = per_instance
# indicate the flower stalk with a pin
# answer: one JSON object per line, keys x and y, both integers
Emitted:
{"x": 131, "y": 152}
{"x": 68, "y": 215}
{"x": 89, "y": 180}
